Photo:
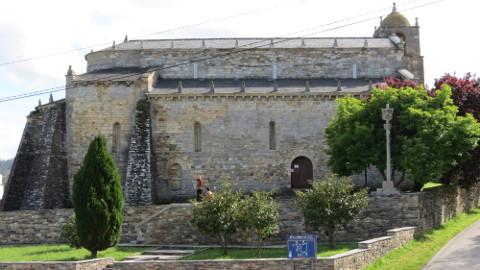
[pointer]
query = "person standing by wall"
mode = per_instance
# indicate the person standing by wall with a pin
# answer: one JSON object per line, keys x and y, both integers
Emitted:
{"x": 199, "y": 187}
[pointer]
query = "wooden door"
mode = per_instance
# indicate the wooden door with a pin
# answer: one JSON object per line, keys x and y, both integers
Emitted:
{"x": 302, "y": 172}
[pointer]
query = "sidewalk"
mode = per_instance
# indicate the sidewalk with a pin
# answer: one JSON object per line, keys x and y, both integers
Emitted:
{"x": 462, "y": 252}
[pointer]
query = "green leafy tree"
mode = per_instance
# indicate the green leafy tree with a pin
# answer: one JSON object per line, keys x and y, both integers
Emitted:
{"x": 262, "y": 218}
{"x": 98, "y": 199}
{"x": 465, "y": 95}
{"x": 221, "y": 215}
{"x": 428, "y": 138}
{"x": 330, "y": 203}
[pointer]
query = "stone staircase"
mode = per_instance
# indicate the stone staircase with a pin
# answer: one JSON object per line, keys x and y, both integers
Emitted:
{"x": 160, "y": 254}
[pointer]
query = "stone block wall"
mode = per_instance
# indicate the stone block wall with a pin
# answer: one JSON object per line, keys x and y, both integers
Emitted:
{"x": 96, "y": 264}
{"x": 326, "y": 62}
{"x": 32, "y": 226}
{"x": 139, "y": 177}
{"x": 170, "y": 224}
{"x": 38, "y": 177}
{"x": 367, "y": 252}
{"x": 235, "y": 141}
{"x": 439, "y": 205}
{"x": 101, "y": 108}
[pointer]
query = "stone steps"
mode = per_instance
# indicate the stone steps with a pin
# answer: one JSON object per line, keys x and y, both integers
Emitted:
{"x": 159, "y": 254}
{"x": 171, "y": 252}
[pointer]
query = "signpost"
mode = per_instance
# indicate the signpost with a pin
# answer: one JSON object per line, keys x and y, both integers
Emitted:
{"x": 301, "y": 247}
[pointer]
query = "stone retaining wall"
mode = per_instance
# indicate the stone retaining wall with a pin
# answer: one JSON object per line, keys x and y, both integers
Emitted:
{"x": 96, "y": 264}
{"x": 367, "y": 252}
{"x": 170, "y": 224}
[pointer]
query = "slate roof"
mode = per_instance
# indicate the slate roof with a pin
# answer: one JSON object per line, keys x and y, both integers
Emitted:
{"x": 229, "y": 43}
{"x": 116, "y": 75}
{"x": 199, "y": 86}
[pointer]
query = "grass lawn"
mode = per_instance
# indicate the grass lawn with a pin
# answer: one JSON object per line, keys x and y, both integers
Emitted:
{"x": 418, "y": 253}
{"x": 430, "y": 185}
{"x": 251, "y": 253}
{"x": 60, "y": 253}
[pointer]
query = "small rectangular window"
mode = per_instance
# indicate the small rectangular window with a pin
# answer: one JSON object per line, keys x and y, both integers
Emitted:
{"x": 272, "y": 138}
{"x": 197, "y": 137}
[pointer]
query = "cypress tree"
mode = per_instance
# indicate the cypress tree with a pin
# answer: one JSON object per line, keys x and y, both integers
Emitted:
{"x": 98, "y": 199}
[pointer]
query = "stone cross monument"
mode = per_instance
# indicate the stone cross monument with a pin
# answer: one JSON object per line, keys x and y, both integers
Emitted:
{"x": 388, "y": 186}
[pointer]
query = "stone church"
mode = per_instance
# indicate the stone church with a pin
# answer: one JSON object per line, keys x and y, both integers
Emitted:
{"x": 251, "y": 110}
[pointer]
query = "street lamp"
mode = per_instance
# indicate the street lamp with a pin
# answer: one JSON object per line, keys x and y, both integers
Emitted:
{"x": 387, "y": 186}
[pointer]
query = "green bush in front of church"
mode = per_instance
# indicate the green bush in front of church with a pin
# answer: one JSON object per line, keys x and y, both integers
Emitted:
{"x": 98, "y": 199}
{"x": 331, "y": 203}
{"x": 222, "y": 215}
{"x": 229, "y": 211}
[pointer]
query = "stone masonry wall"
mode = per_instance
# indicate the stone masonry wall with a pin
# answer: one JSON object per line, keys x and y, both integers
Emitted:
{"x": 235, "y": 141}
{"x": 368, "y": 251}
{"x": 92, "y": 110}
{"x": 257, "y": 63}
{"x": 96, "y": 264}
{"x": 38, "y": 176}
{"x": 138, "y": 181}
{"x": 170, "y": 224}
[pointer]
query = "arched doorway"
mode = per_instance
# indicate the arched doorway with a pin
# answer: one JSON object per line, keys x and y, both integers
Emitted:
{"x": 302, "y": 172}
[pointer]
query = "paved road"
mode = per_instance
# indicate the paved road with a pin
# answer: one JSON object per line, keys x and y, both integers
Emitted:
{"x": 462, "y": 252}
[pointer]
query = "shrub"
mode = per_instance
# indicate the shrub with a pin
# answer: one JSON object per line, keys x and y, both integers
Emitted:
{"x": 98, "y": 199}
{"x": 330, "y": 203}
{"x": 261, "y": 212}
{"x": 69, "y": 234}
{"x": 221, "y": 215}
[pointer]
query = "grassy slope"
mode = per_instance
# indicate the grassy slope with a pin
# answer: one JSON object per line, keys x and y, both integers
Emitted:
{"x": 249, "y": 253}
{"x": 430, "y": 185}
{"x": 418, "y": 253}
{"x": 59, "y": 253}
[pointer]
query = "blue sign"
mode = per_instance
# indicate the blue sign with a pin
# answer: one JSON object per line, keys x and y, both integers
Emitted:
{"x": 302, "y": 247}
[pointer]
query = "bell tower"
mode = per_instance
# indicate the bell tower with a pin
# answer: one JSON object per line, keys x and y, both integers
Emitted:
{"x": 397, "y": 27}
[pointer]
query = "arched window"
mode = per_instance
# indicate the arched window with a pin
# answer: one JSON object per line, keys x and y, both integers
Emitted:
{"x": 116, "y": 141}
{"x": 197, "y": 137}
{"x": 272, "y": 140}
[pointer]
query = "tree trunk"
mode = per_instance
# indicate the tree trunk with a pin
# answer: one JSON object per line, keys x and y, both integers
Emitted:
{"x": 401, "y": 180}
{"x": 417, "y": 186}
{"x": 331, "y": 240}
{"x": 94, "y": 254}
{"x": 383, "y": 174}
{"x": 224, "y": 236}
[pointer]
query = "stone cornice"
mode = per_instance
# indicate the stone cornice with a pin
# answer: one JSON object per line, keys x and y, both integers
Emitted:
{"x": 256, "y": 96}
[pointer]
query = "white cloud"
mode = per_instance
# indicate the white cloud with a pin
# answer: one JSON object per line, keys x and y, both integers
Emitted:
{"x": 33, "y": 28}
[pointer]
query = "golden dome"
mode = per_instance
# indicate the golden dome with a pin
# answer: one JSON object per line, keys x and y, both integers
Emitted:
{"x": 395, "y": 19}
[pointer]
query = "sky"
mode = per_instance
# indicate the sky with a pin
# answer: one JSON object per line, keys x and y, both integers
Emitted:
{"x": 448, "y": 33}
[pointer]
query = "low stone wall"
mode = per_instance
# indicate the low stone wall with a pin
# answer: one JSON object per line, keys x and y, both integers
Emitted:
{"x": 32, "y": 226}
{"x": 439, "y": 205}
{"x": 367, "y": 252}
{"x": 170, "y": 224}
{"x": 96, "y": 264}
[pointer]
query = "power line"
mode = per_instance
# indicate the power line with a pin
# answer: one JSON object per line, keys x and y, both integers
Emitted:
{"x": 195, "y": 60}
{"x": 155, "y": 33}
{"x": 173, "y": 30}
{"x": 116, "y": 77}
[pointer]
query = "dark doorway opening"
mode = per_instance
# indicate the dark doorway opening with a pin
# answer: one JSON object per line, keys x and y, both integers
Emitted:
{"x": 302, "y": 172}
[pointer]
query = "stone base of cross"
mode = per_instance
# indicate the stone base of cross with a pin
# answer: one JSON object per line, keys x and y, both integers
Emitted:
{"x": 387, "y": 189}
